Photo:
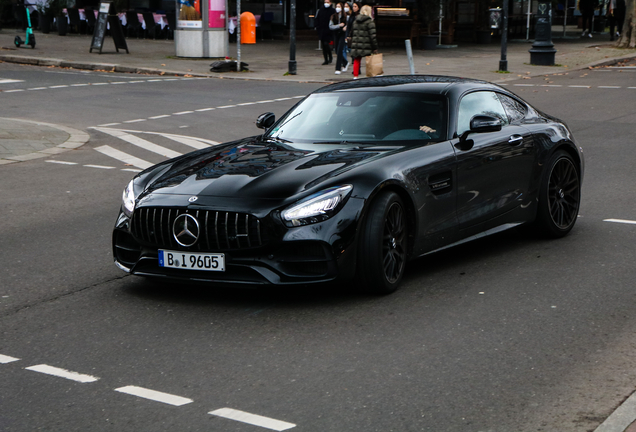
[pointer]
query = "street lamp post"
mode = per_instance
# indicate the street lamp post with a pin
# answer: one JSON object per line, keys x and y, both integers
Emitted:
{"x": 503, "y": 63}
{"x": 292, "y": 38}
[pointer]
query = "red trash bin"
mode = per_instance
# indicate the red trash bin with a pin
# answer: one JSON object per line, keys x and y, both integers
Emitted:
{"x": 248, "y": 28}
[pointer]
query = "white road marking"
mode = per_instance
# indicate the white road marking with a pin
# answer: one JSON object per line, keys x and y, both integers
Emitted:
{"x": 154, "y": 395}
{"x": 252, "y": 419}
{"x": 7, "y": 359}
{"x": 123, "y": 157}
{"x": 579, "y": 86}
{"x": 524, "y": 85}
{"x": 551, "y": 85}
{"x": 120, "y": 82}
{"x": 609, "y": 87}
{"x": 140, "y": 142}
{"x": 135, "y": 121}
{"x": 99, "y": 83}
{"x": 187, "y": 141}
{"x": 109, "y": 124}
{"x": 37, "y": 88}
{"x": 13, "y": 91}
{"x": 61, "y": 162}
{"x": 99, "y": 166}
{"x": 194, "y": 142}
{"x": 620, "y": 419}
{"x": 226, "y": 106}
{"x": 159, "y": 117}
{"x": 183, "y": 112}
{"x": 205, "y": 109}
{"x": 9, "y": 81}
{"x": 631, "y": 222}
{"x": 79, "y": 85}
{"x": 131, "y": 170}
{"x": 62, "y": 373}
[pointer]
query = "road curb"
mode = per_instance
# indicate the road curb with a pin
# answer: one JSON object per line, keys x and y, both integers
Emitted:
{"x": 76, "y": 139}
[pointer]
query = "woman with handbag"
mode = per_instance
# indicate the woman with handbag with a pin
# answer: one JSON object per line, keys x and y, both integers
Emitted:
{"x": 363, "y": 38}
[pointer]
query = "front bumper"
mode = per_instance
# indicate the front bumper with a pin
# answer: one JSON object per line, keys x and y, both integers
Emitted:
{"x": 319, "y": 252}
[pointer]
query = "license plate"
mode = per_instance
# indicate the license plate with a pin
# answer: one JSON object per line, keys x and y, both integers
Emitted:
{"x": 192, "y": 261}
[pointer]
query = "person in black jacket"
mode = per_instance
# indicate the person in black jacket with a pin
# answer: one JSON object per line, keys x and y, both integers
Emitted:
{"x": 616, "y": 17}
{"x": 337, "y": 26}
{"x": 587, "y": 8}
{"x": 322, "y": 20}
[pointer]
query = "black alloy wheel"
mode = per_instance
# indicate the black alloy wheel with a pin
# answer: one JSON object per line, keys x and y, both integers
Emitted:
{"x": 383, "y": 246}
{"x": 560, "y": 196}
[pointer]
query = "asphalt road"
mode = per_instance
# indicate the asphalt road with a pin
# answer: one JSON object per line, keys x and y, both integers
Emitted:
{"x": 510, "y": 333}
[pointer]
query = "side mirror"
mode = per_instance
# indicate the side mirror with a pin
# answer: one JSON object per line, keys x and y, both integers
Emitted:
{"x": 485, "y": 123}
{"x": 478, "y": 124}
{"x": 265, "y": 121}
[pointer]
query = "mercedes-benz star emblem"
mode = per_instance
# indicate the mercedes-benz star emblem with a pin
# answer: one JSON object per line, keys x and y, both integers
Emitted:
{"x": 185, "y": 230}
{"x": 193, "y": 198}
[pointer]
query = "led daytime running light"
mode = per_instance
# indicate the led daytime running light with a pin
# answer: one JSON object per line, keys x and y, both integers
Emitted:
{"x": 325, "y": 202}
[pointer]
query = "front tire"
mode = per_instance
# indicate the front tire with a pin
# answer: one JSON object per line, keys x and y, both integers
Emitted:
{"x": 17, "y": 41}
{"x": 559, "y": 196}
{"x": 383, "y": 246}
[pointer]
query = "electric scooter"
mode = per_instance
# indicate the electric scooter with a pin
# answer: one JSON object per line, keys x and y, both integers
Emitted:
{"x": 30, "y": 38}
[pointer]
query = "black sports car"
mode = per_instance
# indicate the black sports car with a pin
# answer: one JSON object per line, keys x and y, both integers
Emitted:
{"x": 352, "y": 182}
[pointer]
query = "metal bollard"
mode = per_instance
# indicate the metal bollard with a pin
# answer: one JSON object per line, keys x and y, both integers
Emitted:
{"x": 409, "y": 54}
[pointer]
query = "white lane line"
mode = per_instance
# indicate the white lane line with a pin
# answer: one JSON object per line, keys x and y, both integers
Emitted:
{"x": 61, "y": 162}
{"x": 524, "y": 85}
{"x": 120, "y": 82}
{"x": 9, "y": 81}
{"x": 58, "y": 86}
{"x": 99, "y": 166}
{"x": 159, "y": 117}
{"x": 124, "y": 157}
{"x": 205, "y": 109}
{"x": 37, "y": 88}
{"x": 99, "y": 84}
{"x": 551, "y": 85}
{"x": 12, "y": 91}
{"x": 620, "y": 419}
{"x": 195, "y": 142}
{"x": 631, "y": 222}
{"x": 252, "y": 419}
{"x": 609, "y": 87}
{"x": 297, "y": 97}
{"x": 282, "y": 99}
{"x": 171, "y": 79}
{"x": 183, "y": 112}
{"x": 631, "y": 87}
{"x": 187, "y": 141}
{"x": 247, "y": 103}
{"x": 7, "y": 359}
{"x": 227, "y": 106}
{"x": 79, "y": 85}
{"x": 140, "y": 142}
{"x": 579, "y": 86}
{"x": 154, "y": 395}
{"x": 155, "y": 80}
{"x": 62, "y": 373}
{"x": 131, "y": 170}
{"x": 135, "y": 121}
{"x": 109, "y": 124}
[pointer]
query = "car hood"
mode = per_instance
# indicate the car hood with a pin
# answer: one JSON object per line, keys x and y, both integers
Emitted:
{"x": 256, "y": 169}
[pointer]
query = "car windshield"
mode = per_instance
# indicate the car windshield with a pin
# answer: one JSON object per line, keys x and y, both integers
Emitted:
{"x": 364, "y": 117}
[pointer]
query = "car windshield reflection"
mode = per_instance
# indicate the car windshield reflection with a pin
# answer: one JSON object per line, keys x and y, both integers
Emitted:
{"x": 364, "y": 118}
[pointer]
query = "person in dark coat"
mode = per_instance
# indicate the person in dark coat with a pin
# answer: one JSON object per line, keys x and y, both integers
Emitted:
{"x": 322, "y": 20}
{"x": 587, "y": 8}
{"x": 337, "y": 26}
{"x": 363, "y": 38}
{"x": 616, "y": 17}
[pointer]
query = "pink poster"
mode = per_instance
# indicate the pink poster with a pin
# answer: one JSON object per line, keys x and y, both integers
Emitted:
{"x": 216, "y": 16}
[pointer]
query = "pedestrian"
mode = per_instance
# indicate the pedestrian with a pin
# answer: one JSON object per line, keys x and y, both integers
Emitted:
{"x": 322, "y": 20}
{"x": 345, "y": 48}
{"x": 337, "y": 25}
{"x": 363, "y": 38}
{"x": 587, "y": 8}
{"x": 616, "y": 17}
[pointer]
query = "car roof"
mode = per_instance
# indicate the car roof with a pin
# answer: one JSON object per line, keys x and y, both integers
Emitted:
{"x": 410, "y": 83}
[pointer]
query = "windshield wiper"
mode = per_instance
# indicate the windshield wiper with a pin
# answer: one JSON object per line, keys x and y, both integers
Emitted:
{"x": 347, "y": 142}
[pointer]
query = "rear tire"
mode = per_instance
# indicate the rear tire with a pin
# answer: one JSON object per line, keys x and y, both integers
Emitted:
{"x": 382, "y": 250}
{"x": 559, "y": 196}
{"x": 17, "y": 41}
{"x": 32, "y": 41}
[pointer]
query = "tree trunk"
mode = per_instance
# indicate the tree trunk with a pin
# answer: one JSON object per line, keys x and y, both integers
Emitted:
{"x": 628, "y": 32}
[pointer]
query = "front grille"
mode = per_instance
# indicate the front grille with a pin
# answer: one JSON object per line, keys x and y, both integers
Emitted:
{"x": 219, "y": 230}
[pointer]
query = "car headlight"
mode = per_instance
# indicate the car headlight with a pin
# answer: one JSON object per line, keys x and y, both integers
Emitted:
{"x": 128, "y": 199}
{"x": 318, "y": 207}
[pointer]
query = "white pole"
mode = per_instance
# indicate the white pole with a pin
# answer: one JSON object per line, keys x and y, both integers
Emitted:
{"x": 238, "y": 35}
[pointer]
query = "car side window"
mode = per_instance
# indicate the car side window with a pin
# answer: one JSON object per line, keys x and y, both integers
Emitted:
{"x": 516, "y": 110}
{"x": 479, "y": 103}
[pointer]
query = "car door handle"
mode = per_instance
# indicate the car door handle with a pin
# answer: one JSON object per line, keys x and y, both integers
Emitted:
{"x": 515, "y": 139}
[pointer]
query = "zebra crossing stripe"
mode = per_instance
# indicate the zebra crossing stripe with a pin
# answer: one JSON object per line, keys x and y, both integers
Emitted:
{"x": 187, "y": 141}
{"x": 123, "y": 157}
{"x": 140, "y": 142}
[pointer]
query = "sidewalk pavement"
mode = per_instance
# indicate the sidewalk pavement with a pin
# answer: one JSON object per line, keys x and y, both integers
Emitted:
{"x": 268, "y": 60}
